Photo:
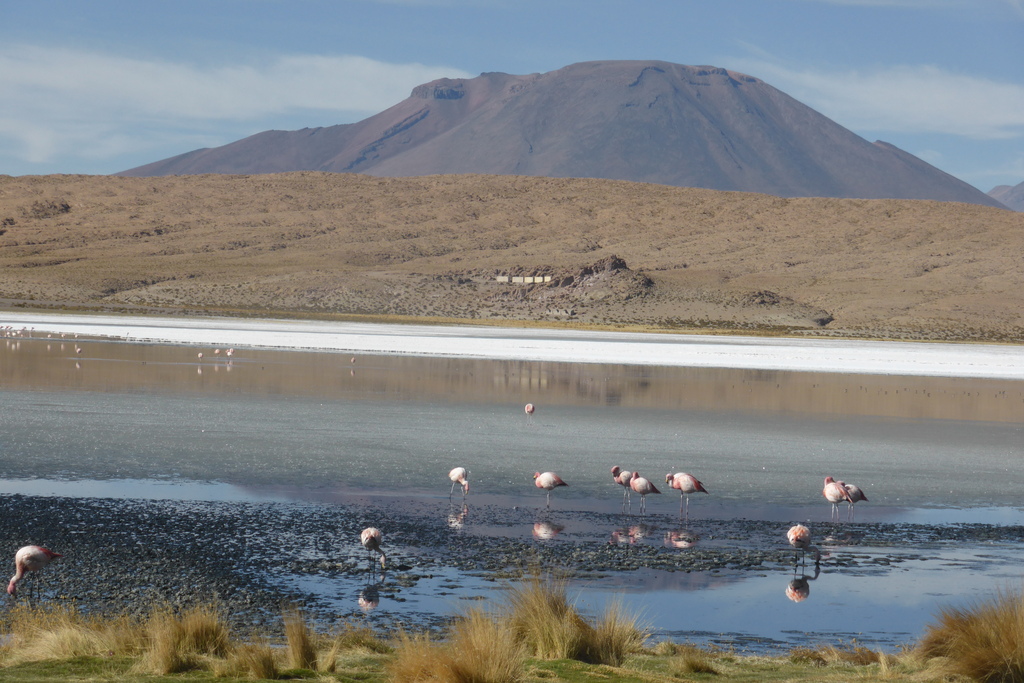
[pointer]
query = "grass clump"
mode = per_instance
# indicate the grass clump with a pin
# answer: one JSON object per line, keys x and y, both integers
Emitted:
{"x": 301, "y": 648}
{"x": 982, "y": 642}
{"x": 478, "y": 650}
{"x": 255, "y": 660}
{"x": 541, "y": 616}
{"x": 61, "y": 632}
{"x": 180, "y": 642}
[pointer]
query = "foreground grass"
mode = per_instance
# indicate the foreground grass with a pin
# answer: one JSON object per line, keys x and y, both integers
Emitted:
{"x": 537, "y": 636}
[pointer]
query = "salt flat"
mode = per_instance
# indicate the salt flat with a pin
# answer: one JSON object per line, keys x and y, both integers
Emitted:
{"x": 764, "y": 353}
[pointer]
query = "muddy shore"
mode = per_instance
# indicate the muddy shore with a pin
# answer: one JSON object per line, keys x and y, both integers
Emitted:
{"x": 254, "y": 558}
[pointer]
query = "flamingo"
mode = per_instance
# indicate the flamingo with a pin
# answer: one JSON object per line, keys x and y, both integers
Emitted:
{"x": 528, "y": 409}
{"x": 622, "y": 477}
{"x": 31, "y": 558}
{"x": 459, "y": 476}
{"x": 548, "y": 481}
{"x": 856, "y": 495}
{"x": 799, "y": 537}
{"x": 370, "y": 538}
{"x": 643, "y": 487}
{"x": 834, "y": 493}
{"x": 687, "y": 484}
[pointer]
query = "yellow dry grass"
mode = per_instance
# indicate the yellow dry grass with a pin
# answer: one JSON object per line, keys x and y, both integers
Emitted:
{"x": 982, "y": 642}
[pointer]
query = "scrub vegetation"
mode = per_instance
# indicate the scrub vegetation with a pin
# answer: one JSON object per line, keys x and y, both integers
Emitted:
{"x": 537, "y": 635}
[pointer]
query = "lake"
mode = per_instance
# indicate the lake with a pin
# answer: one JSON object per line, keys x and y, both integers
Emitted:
{"x": 938, "y": 457}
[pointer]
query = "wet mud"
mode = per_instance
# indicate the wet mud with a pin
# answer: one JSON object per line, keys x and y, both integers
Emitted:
{"x": 255, "y": 558}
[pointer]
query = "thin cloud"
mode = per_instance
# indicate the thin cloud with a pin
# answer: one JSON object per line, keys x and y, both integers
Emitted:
{"x": 54, "y": 99}
{"x": 922, "y": 99}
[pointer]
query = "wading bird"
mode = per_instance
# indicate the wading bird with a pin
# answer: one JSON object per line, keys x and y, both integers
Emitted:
{"x": 528, "y": 409}
{"x": 370, "y": 538}
{"x": 687, "y": 484}
{"x": 548, "y": 481}
{"x": 834, "y": 493}
{"x": 643, "y": 487}
{"x": 31, "y": 558}
{"x": 799, "y": 537}
{"x": 622, "y": 477}
{"x": 459, "y": 475}
{"x": 856, "y": 495}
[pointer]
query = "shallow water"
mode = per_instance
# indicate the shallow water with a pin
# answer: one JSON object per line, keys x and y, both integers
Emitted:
{"x": 155, "y": 422}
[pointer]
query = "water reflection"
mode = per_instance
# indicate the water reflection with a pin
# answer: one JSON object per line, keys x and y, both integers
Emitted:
{"x": 369, "y": 597}
{"x": 121, "y": 366}
{"x": 799, "y": 588}
{"x": 631, "y": 534}
{"x": 681, "y": 538}
{"x": 545, "y": 531}
{"x": 457, "y": 516}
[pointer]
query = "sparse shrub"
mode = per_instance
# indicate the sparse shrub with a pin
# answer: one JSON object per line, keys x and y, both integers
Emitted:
{"x": 982, "y": 642}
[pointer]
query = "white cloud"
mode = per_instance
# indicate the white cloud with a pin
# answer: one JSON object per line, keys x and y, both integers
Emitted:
{"x": 919, "y": 99}
{"x": 59, "y": 101}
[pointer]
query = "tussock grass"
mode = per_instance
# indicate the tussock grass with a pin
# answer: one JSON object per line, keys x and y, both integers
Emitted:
{"x": 61, "y": 632}
{"x": 686, "y": 660}
{"x": 302, "y": 650}
{"x": 255, "y": 660}
{"x": 826, "y": 655}
{"x": 542, "y": 617}
{"x": 478, "y": 650}
{"x": 180, "y": 642}
{"x": 983, "y": 642}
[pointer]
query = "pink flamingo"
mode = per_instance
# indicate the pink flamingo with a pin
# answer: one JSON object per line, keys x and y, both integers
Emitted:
{"x": 687, "y": 484}
{"x": 799, "y": 537}
{"x": 643, "y": 487}
{"x": 622, "y": 477}
{"x": 31, "y": 558}
{"x": 528, "y": 409}
{"x": 459, "y": 476}
{"x": 834, "y": 493}
{"x": 548, "y": 481}
{"x": 370, "y": 538}
{"x": 856, "y": 495}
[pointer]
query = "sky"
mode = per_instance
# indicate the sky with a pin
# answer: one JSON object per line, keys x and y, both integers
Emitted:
{"x": 102, "y": 86}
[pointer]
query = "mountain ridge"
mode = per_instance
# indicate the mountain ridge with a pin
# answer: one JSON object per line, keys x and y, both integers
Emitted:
{"x": 639, "y": 121}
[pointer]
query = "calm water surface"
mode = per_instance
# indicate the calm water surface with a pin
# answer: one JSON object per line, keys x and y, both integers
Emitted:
{"x": 124, "y": 420}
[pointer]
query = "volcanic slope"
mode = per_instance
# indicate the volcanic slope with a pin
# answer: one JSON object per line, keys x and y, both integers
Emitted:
{"x": 643, "y": 121}
{"x": 605, "y": 252}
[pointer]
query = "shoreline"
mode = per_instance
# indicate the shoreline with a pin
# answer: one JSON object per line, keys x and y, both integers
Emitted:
{"x": 935, "y": 359}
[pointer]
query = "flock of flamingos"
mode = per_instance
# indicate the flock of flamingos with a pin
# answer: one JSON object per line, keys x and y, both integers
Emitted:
{"x": 33, "y": 558}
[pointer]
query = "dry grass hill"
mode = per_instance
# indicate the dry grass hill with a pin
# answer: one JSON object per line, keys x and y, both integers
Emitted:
{"x": 608, "y": 253}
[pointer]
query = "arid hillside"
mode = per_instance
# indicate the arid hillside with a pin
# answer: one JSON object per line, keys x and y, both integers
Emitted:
{"x": 603, "y": 252}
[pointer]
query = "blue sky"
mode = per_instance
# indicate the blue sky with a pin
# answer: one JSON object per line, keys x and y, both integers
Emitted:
{"x": 102, "y": 86}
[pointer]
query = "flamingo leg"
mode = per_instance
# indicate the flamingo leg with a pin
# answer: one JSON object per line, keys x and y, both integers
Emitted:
{"x": 450, "y": 493}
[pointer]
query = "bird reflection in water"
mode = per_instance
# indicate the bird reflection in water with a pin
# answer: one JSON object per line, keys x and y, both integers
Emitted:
{"x": 681, "y": 538}
{"x": 369, "y": 597}
{"x": 545, "y": 531}
{"x": 799, "y": 587}
{"x": 457, "y": 517}
{"x": 631, "y": 534}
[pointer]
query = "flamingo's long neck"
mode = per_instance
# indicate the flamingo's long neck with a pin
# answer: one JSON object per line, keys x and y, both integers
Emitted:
{"x": 12, "y": 587}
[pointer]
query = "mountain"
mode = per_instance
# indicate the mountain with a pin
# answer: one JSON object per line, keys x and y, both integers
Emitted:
{"x": 643, "y": 121}
{"x": 1011, "y": 196}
